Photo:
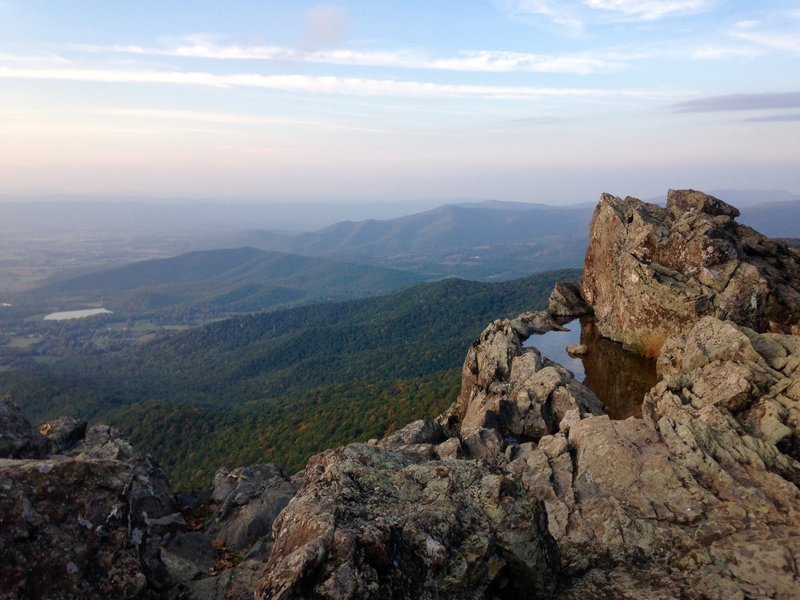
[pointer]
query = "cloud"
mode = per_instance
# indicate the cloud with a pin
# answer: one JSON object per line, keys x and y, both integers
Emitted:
{"x": 485, "y": 61}
{"x": 565, "y": 14}
{"x": 228, "y": 118}
{"x": 37, "y": 59}
{"x": 575, "y": 14}
{"x": 326, "y": 23}
{"x": 776, "y": 118}
{"x": 315, "y": 84}
{"x": 648, "y": 10}
{"x": 722, "y": 52}
{"x": 768, "y": 101}
{"x": 776, "y": 40}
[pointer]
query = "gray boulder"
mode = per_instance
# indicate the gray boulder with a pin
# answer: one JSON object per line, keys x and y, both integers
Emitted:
{"x": 248, "y": 499}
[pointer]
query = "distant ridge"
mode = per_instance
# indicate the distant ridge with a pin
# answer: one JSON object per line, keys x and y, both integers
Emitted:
{"x": 228, "y": 280}
{"x": 487, "y": 240}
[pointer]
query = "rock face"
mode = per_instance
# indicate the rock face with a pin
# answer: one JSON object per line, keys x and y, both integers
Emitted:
{"x": 370, "y": 522}
{"x": 513, "y": 395}
{"x": 85, "y": 523}
{"x": 248, "y": 500}
{"x": 652, "y": 272}
{"x": 566, "y": 300}
{"x": 698, "y": 500}
{"x": 18, "y": 438}
{"x": 84, "y": 515}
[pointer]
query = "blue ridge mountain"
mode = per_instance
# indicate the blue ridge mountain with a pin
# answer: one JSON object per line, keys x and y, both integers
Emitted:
{"x": 223, "y": 281}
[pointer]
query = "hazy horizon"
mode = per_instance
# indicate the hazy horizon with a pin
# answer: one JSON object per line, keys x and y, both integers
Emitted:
{"x": 513, "y": 100}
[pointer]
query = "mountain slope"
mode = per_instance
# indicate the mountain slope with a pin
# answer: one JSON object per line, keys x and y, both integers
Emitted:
{"x": 233, "y": 280}
{"x": 480, "y": 241}
{"x": 447, "y": 226}
{"x": 279, "y": 386}
{"x": 774, "y": 219}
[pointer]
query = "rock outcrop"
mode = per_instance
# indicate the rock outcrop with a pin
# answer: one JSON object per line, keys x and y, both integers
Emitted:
{"x": 652, "y": 272}
{"x": 83, "y": 523}
{"x": 684, "y": 503}
{"x": 84, "y": 515}
{"x": 370, "y": 522}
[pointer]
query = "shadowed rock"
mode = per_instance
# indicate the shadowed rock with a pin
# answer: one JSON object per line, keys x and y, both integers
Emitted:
{"x": 86, "y": 524}
{"x": 248, "y": 500}
{"x": 18, "y": 438}
{"x": 566, "y": 300}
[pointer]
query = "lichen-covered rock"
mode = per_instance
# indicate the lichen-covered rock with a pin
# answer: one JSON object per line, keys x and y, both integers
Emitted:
{"x": 86, "y": 524}
{"x": 18, "y": 438}
{"x": 566, "y": 300}
{"x": 687, "y": 501}
{"x": 750, "y": 376}
{"x": 371, "y": 522}
{"x": 699, "y": 499}
{"x": 651, "y": 272}
{"x": 511, "y": 395}
{"x": 248, "y": 499}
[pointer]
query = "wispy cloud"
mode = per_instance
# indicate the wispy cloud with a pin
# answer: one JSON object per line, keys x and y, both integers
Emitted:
{"x": 776, "y": 118}
{"x": 753, "y": 32}
{"x": 576, "y": 14}
{"x": 768, "y": 101}
{"x": 488, "y": 61}
{"x": 565, "y": 14}
{"x": 722, "y": 52}
{"x": 649, "y": 10}
{"x": 37, "y": 59}
{"x": 311, "y": 84}
{"x": 229, "y": 118}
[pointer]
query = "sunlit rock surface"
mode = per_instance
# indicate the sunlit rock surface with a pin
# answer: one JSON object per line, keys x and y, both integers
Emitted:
{"x": 651, "y": 272}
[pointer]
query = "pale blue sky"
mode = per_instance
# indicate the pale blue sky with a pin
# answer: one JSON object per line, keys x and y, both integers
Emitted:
{"x": 532, "y": 100}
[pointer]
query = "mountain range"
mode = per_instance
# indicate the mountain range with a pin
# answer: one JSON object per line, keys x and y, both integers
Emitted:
{"x": 219, "y": 282}
{"x": 490, "y": 240}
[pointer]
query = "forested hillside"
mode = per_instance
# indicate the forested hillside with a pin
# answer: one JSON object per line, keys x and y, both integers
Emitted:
{"x": 215, "y": 282}
{"x": 484, "y": 241}
{"x": 280, "y": 386}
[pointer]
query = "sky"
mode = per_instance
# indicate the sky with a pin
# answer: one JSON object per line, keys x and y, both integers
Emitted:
{"x": 526, "y": 100}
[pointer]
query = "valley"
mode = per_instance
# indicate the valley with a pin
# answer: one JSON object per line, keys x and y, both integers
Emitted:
{"x": 240, "y": 355}
{"x": 275, "y": 386}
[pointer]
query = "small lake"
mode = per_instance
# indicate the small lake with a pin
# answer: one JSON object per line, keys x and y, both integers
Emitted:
{"x": 76, "y": 314}
{"x": 619, "y": 378}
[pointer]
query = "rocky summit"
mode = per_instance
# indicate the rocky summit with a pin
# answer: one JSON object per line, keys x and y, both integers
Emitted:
{"x": 523, "y": 488}
{"x": 651, "y": 272}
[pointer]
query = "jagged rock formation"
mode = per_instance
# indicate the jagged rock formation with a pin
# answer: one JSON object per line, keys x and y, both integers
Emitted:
{"x": 376, "y": 522}
{"x": 688, "y": 502}
{"x": 651, "y": 272}
{"x": 84, "y": 522}
{"x": 83, "y": 515}
{"x": 566, "y": 300}
{"x": 409, "y": 517}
